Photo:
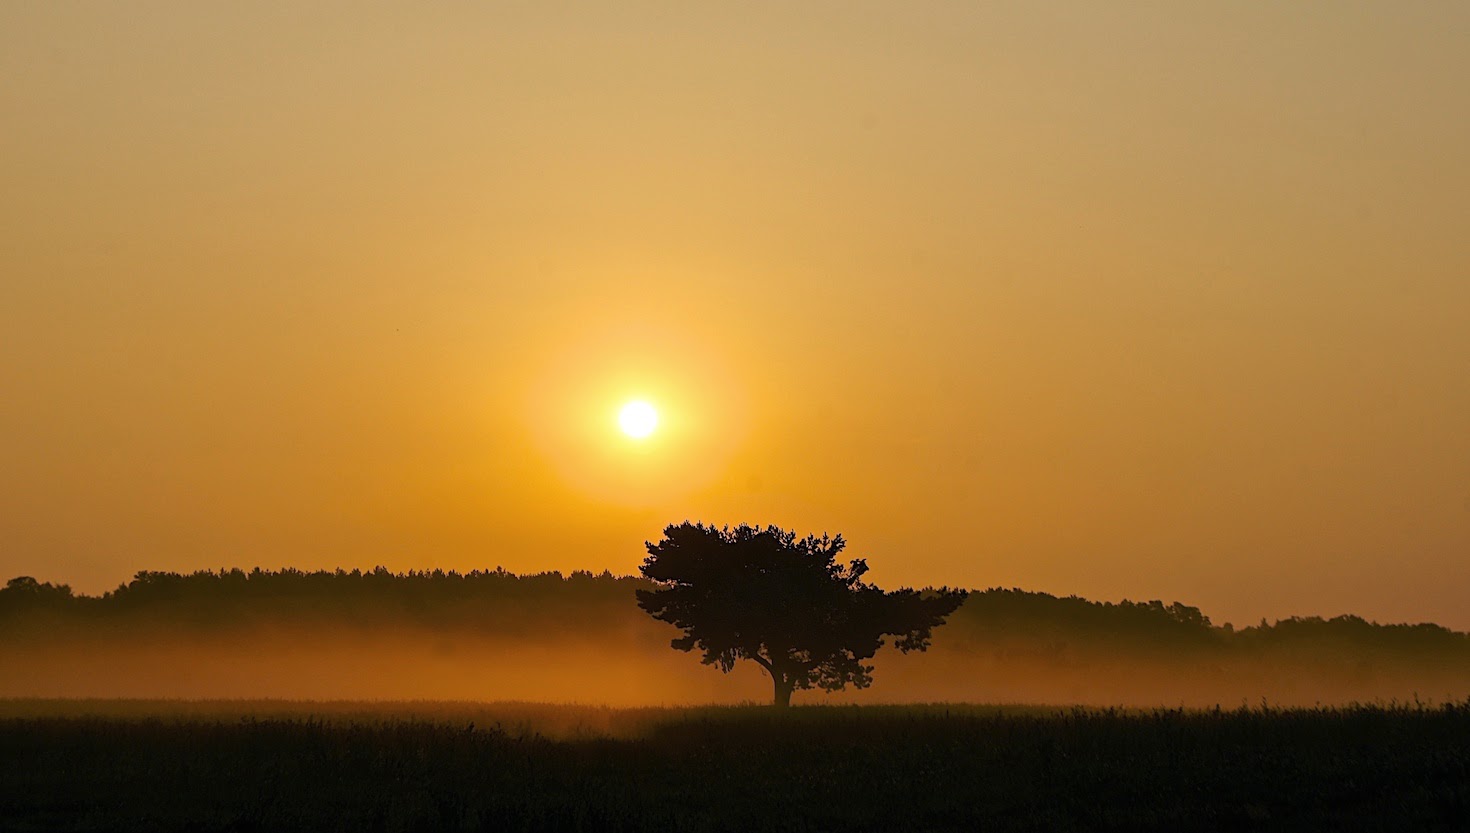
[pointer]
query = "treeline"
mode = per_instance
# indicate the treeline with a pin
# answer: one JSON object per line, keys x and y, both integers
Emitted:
{"x": 499, "y": 602}
{"x": 495, "y": 600}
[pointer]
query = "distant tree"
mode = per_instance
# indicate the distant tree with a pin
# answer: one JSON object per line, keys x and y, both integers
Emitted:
{"x": 28, "y": 589}
{"x": 784, "y": 603}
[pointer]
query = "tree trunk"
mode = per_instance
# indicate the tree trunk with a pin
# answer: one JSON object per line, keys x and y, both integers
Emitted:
{"x": 783, "y": 690}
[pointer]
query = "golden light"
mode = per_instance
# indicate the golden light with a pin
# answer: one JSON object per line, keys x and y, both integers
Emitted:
{"x": 638, "y": 419}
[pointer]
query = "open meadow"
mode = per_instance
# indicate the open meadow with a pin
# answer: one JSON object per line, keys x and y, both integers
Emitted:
{"x": 407, "y": 766}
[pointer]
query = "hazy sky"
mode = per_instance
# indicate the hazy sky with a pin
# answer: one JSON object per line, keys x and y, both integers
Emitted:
{"x": 1164, "y": 300}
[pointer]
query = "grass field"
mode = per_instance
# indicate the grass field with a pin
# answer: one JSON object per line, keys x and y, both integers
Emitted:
{"x": 206, "y": 766}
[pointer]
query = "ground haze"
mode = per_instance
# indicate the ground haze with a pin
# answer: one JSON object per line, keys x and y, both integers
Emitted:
{"x": 582, "y": 639}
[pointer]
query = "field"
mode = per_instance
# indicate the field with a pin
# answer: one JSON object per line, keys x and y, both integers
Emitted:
{"x": 217, "y": 766}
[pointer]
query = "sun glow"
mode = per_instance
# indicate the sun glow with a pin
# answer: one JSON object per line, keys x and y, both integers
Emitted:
{"x": 638, "y": 419}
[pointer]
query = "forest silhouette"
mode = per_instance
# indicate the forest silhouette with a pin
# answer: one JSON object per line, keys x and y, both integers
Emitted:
{"x": 494, "y": 634}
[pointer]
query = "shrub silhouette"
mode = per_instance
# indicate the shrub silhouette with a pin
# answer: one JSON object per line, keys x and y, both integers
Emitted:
{"x": 784, "y": 603}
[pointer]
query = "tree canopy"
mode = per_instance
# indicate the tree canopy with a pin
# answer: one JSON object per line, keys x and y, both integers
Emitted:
{"x": 785, "y": 603}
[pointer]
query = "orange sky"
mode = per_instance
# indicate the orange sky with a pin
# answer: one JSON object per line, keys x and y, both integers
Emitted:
{"x": 1148, "y": 301}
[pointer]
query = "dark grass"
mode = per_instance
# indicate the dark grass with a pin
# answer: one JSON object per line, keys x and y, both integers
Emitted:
{"x": 928, "y": 768}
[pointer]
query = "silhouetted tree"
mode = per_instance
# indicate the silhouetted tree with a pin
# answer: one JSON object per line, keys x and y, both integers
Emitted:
{"x": 784, "y": 603}
{"x": 26, "y": 592}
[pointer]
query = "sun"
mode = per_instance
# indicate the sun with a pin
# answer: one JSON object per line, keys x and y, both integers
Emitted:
{"x": 638, "y": 419}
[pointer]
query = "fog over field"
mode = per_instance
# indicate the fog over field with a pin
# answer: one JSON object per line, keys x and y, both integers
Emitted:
{"x": 582, "y": 639}
{"x": 623, "y": 672}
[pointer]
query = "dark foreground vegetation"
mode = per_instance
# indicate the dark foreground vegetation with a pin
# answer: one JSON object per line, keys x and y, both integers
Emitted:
{"x": 929, "y": 768}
